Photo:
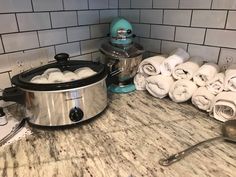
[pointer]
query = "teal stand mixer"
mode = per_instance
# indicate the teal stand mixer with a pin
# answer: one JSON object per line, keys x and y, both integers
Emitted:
{"x": 122, "y": 56}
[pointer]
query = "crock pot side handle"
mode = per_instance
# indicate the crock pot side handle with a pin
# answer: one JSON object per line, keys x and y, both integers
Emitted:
{"x": 13, "y": 94}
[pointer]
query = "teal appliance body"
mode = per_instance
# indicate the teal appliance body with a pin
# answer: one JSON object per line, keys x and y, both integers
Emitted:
{"x": 122, "y": 56}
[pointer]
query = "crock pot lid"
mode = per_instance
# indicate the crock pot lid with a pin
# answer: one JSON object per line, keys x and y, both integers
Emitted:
{"x": 23, "y": 79}
{"x": 121, "y": 51}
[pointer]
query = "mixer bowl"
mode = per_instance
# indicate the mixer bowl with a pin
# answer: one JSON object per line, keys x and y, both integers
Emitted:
{"x": 122, "y": 70}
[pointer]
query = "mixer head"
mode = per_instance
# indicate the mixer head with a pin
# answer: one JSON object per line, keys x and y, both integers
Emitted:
{"x": 121, "y": 32}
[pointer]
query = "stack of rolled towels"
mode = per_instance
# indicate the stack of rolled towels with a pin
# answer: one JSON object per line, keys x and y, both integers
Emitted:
{"x": 183, "y": 77}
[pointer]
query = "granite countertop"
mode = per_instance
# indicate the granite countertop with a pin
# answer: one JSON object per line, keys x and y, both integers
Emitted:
{"x": 128, "y": 139}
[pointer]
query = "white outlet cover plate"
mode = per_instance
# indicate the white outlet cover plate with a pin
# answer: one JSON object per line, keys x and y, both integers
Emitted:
{"x": 227, "y": 57}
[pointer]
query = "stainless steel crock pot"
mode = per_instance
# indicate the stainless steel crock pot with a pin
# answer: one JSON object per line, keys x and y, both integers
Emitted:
{"x": 58, "y": 104}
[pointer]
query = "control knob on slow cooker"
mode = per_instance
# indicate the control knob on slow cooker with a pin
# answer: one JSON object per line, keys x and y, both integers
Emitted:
{"x": 76, "y": 114}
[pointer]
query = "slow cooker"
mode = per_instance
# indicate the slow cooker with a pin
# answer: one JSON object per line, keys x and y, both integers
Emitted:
{"x": 64, "y": 103}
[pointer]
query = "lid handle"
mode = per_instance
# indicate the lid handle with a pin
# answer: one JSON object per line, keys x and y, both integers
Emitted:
{"x": 61, "y": 57}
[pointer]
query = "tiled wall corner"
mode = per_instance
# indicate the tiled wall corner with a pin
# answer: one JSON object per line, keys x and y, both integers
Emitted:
{"x": 206, "y": 28}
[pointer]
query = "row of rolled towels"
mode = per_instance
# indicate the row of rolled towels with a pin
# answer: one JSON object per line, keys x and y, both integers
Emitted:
{"x": 182, "y": 78}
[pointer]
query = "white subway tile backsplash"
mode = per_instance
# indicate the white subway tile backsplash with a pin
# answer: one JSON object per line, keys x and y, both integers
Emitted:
{"x": 47, "y": 5}
{"x": 8, "y": 61}
{"x": 20, "y": 41}
{"x": 142, "y": 30}
{"x": 124, "y": 3}
{"x": 99, "y": 30}
{"x": 51, "y": 37}
{"x": 28, "y": 38}
{"x": 33, "y": 21}
{"x": 96, "y": 56}
{"x": 151, "y": 45}
{"x": 227, "y": 57}
{"x": 113, "y": 4}
{"x": 223, "y": 38}
{"x": 190, "y": 35}
{"x": 177, "y": 17}
{"x": 86, "y": 57}
{"x": 90, "y": 45}
{"x": 8, "y": 23}
{"x": 73, "y": 49}
{"x": 7, "y": 6}
{"x": 151, "y": 16}
{"x": 209, "y": 54}
{"x": 141, "y": 4}
{"x": 98, "y": 4}
{"x": 40, "y": 56}
{"x": 1, "y": 47}
{"x": 88, "y": 17}
{"x": 19, "y": 63}
{"x": 223, "y": 4}
{"x": 131, "y": 15}
{"x": 63, "y": 19}
{"x": 78, "y": 33}
{"x": 195, "y": 4}
{"x": 231, "y": 22}
{"x": 5, "y": 81}
{"x": 162, "y": 25}
{"x": 162, "y": 32}
{"x": 75, "y": 4}
{"x": 106, "y": 16}
{"x": 168, "y": 46}
{"x": 5, "y": 65}
{"x": 208, "y": 18}
{"x": 163, "y": 4}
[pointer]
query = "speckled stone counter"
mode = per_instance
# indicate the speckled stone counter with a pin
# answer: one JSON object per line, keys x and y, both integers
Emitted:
{"x": 128, "y": 139}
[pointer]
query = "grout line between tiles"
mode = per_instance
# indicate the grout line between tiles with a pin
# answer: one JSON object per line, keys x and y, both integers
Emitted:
{"x": 38, "y": 37}
{"x": 3, "y": 47}
{"x": 226, "y": 20}
{"x": 218, "y": 59}
{"x": 32, "y": 5}
{"x": 63, "y": 5}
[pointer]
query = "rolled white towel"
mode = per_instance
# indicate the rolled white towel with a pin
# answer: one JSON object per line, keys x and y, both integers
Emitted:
{"x": 230, "y": 78}
{"x": 205, "y": 73}
{"x": 224, "y": 106}
{"x": 216, "y": 85}
{"x": 178, "y": 56}
{"x": 140, "y": 81}
{"x": 159, "y": 85}
{"x": 202, "y": 98}
{"x": 182, "y": 90}
{"x": 151, "y": 66}
{"x": 186, "y": 70}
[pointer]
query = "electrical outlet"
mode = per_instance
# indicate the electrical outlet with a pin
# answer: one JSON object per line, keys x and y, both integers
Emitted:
{"x": 227, "y": 58}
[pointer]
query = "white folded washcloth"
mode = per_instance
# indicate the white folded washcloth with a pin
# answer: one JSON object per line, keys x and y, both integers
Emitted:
{"x": 140, "y": 81}
{"x": 230, "y": 78}
{"x": 182, "y": 90}
{"x": 176, "y": 57}
{"x": 205, "y": 73}
{"x": 186, "y": 70}
{"x": 159, "y": 85}
{"x": 224, "y": 106}
{"x": 202, "y": 98}
{"x": 151, "y": 66}
{"x": 216, "y": 85}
